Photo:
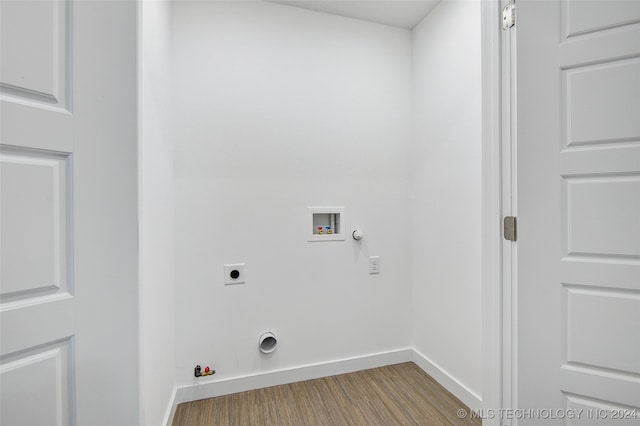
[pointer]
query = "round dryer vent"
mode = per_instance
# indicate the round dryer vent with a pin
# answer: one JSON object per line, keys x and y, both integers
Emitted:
{"x": 267, "y": 343}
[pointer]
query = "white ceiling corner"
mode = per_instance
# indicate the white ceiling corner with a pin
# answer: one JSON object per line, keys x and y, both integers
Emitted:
{"x": 398, "y": 13}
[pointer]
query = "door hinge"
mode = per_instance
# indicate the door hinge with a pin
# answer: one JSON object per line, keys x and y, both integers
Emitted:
{"x": 509, "y": 15}
{"x": 511, "y": 228}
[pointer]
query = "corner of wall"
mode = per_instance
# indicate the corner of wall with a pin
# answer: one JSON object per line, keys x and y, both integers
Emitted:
{"x": 156, "y": 220}
{"x": 448, "y": 381}
{"x": 446, "y": 170}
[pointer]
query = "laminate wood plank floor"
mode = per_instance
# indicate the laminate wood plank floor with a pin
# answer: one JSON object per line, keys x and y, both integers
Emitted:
{"x": 401, "y": 394}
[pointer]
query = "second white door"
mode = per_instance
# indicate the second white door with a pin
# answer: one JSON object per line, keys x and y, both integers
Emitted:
{"x": 578, "y": 188}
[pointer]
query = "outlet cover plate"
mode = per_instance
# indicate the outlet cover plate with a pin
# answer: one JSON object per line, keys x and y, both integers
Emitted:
{"x": 374, "y": 264}
{"x": 229, "y": 280}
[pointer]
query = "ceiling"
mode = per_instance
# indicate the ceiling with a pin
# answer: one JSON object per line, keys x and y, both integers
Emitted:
{"x": 398, "y": 13}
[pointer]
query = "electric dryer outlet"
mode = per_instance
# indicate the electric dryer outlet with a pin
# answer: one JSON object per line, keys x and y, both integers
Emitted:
{"x": 234, "y": 274}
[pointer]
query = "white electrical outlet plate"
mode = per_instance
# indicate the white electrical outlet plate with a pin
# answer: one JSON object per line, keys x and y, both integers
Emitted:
{"x": 234, "y": 273}
{"x": 374, "y": 264}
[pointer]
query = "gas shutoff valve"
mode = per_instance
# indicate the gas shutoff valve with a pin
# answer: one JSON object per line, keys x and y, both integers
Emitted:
{"x": 199, "y": 372}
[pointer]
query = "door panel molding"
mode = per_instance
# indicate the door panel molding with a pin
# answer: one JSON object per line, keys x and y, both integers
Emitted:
{"x": 580, "y": 18}
{"x": 37, "y": 224}
{"x": 44, "y": 375}
{"x": 585, "y": 99}
{"x": 36, "y": 53}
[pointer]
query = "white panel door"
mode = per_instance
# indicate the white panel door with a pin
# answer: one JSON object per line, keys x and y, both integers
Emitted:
{"x": 578, "y": 189}
{"x": 68, "y": 307}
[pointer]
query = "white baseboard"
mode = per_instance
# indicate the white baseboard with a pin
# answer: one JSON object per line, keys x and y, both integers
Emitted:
{"x": 171, "y": 409}
{"x": 314, "y": 371}
{"x": 289, "y": 375}
{"x": 449, "y": 382}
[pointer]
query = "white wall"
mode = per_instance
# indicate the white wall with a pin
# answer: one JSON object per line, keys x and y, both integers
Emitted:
{"x": 446, "y": 191}
{"x": 156, "y": 214}
{"x": 276, "y": 109}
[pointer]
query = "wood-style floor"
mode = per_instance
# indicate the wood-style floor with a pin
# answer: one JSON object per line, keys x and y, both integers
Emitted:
{"x": 400, "y": 394}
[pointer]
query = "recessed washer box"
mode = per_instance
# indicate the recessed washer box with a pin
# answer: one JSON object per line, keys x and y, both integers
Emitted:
{"x": 325, "y": 224}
